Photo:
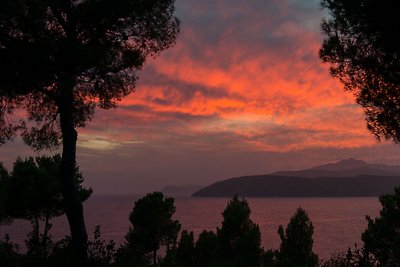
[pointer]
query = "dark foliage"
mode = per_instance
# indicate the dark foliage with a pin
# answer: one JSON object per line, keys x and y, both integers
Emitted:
{"x": 9, "y": 255}
{"x": 237, "y": 242}
{"x": 207, "y": 249}
{"x": 297, "y": 242}
{"x": 362, "y": 46}
{"x": 382, "y": 236}
{"x": 60, "y": 59}
{"x": 34, "y": 189}
{"x": 185, "y": 251}
{"x": 33, "y": 192}
{"x": 239, "y": 238}
{"x": 352, "y": 258}
{"x": 130, "y": 256}
{"x": 91, "y": 49}
{"x": 184, "y": 254}
{"x": 269, "y": 258}
{"x": 152, "y": 225}
{"x": 101, "y": 253}
{"x": 4, "y": 181}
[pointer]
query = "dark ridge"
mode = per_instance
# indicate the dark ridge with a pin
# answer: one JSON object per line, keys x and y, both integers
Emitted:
{"x": 284, "y": 186}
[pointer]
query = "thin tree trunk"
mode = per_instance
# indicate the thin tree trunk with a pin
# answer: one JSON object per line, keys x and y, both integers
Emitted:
{"x": 72, "y": 203}
{"x": 45, "y": 234}
{"x": 37, "y": 234}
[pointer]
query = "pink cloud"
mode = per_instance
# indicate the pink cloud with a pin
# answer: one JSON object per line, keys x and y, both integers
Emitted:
{"x": 248, "y": 72}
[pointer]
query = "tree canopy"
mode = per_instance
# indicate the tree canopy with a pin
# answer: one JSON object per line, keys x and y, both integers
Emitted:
{"x": 207, "y": 249}
{"x": 363, "y": 48}
{"x": 33, "y": 193}
{"x": 239, "y": 237}
{"x": 90, "y": 48}
{"x": 382, "y": 236}
{"x": 60, "y": 59}
{"x": 34, "y": 190}
{"x": 4, "y": 180}
{"x": 152, "y": 224}
{"x": 297, "y": 242}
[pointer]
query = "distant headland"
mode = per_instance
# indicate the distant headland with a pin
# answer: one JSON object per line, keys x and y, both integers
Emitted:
{"x": 346, "y": 178}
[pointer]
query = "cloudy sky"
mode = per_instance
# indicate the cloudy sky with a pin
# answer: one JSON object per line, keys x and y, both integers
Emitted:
{"x": 242, "y": 92}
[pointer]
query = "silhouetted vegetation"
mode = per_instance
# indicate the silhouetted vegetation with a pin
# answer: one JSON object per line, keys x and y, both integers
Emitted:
{"x": 362, "y": 46}
{"x": 207, "y": 249}
{"x": 297, "y": 242}
{"x": 352, "y": 258}
{"x": 182, "y": 255}
{"x": 4, "y": 180}
{"x": 9, "y": 253}
{"x": 33, "y": 192}
{"x": 59, "y": 60}
{"x": 239, "y": 238}
{"x": 152, "y": 225}
{"x": 101, "y": 253}
{"x": 236, "y": 243}
{"x": 382, "y": 236}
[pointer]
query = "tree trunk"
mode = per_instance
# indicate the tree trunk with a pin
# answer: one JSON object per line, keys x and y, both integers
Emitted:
{"x": 72, "y": 204}
{"x": 45, "y": 234}
{"x": 36, "y": 235}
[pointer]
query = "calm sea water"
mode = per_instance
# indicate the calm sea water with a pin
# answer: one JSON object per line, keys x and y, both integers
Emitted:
{"x": 338, "y": 222}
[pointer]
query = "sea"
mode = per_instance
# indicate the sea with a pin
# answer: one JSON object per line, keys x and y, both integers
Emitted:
{"x": 338, "y": 222}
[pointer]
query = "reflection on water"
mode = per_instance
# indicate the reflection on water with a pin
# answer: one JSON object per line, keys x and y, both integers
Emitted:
{"x": 338, "y": 222}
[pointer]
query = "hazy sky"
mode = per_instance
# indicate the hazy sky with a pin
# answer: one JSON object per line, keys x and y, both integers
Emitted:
{"x": 242, "y": 92}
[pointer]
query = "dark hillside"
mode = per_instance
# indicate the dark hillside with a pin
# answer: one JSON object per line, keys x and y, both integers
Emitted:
{"x": 284, "y": 186}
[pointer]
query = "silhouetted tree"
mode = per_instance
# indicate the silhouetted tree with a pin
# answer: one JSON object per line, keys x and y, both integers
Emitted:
{"x": 239, "y": 237}
{"x": 152, "y": 224}
{"x": 60, "y": 59}
{"x": 382, "y": 236}
{"x": 362, "y": 46}
{"x": 206, "y": 249}
{"x": 34, "y": 194}
{"x": 297, "y": 242}
{"x": 130, "y": 256}
{"x": 185, "y": 250}
{"x": 8, "y": 255}
{"x": 270, "y": 258}
{"x": 101, "y": 253}
{"x": 352, "y": 258}
{"x": 4, "y": 180}
{"x": 182, "y": 255}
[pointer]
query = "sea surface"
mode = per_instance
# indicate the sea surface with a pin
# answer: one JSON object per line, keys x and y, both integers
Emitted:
{"x": 338, "y": 222}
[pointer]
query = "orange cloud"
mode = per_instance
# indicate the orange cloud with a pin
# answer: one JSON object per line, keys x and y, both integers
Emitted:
{"x": 242, "y": 92}
{"x": 252, "y": 73}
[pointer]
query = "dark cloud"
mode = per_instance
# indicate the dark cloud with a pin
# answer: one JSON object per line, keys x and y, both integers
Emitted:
{"x": 212, "y": 30}
{"x": 176, "y": 91}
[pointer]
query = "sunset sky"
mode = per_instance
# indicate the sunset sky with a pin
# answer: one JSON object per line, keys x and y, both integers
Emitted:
{"x": 242, "y": 92}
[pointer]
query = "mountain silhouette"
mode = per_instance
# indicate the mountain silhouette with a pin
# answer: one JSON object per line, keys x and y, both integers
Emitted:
{"x": 344, "y": 168}
{"x": 357, "y": 164}
{"x": 346, "y": 178}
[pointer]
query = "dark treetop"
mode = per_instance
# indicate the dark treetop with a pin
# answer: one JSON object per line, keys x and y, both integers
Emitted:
{"x": 59, "y": 59}
{"x": 85, "y": 51}
{"x": 362, "y": 45}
